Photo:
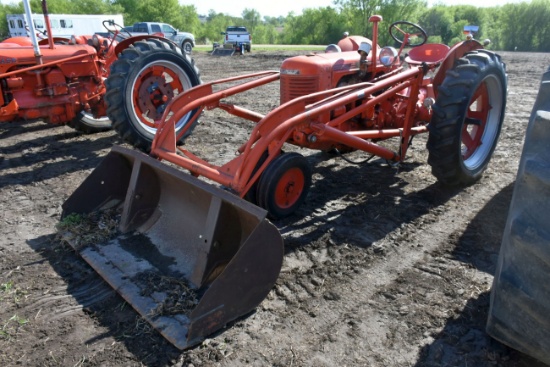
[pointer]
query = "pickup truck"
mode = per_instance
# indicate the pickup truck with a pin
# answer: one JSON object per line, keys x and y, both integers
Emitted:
{"x": 238, "y": 34}
{"x": 184, "y": 39}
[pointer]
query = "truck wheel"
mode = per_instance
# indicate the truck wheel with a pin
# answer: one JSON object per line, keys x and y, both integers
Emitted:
{"x": 187, "y": 47}
{"x": 467, "y": 118}
{"x": 284, "y": 185}
{"x": 87, "y": 124}
{"x": 142, "y": 82}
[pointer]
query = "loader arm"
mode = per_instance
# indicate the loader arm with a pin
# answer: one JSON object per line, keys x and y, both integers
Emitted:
{"x": 294, "y": 121}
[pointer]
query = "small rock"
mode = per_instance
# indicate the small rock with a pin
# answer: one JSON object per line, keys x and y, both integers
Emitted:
{"x": 331, "y": 296}
{"x": 403, "y": 310}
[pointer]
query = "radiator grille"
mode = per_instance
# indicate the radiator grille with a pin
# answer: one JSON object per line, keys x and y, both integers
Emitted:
{"x": 293, "y": 86}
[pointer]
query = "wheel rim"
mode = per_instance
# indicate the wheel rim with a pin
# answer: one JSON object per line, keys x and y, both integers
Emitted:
{"x": 156, "y": 85}
{"x": 90, "y": 120}
{"x": 289, "y": 188}
{"x": 482, "y": 124}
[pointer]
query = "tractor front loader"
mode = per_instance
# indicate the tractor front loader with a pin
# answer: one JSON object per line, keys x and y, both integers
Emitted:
{"x": 218, "y": 241}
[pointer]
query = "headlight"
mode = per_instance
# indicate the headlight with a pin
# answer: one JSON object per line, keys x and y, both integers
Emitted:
{"x": 387, "y": 55}
{"x": 332, "y": 48}
{"x": 364, "y": 47}
{"x": 95, "y": 41}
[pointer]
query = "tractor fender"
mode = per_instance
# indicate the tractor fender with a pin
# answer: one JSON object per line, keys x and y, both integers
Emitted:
{"x": 16, "y": 41}
{"x": 124, "y": 44}
{"x": 456, "y": 52}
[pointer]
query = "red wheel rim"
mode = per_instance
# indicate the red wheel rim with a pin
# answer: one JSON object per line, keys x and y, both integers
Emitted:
{"x": 289, "y": 188}
{"x": 155, "y": 87}
{"x": 478, "y": 111}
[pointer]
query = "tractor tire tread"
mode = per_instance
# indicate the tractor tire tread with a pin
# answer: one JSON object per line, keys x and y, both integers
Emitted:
{"x": 117, "y": 83}
{"x": 450, "y": 111}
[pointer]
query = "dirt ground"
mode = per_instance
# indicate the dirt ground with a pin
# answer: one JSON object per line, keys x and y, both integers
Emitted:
{"x": 383, "y": 266}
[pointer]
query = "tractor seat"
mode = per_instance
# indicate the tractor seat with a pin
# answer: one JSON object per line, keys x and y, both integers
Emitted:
{"x": 430, "y": 53}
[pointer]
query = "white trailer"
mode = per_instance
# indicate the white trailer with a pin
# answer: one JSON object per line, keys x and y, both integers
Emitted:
{"x": 62, "y": 25}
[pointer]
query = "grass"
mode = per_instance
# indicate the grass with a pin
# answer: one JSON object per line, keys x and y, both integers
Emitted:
{"x": 9, "y": 289}
{"x": 10, "y": 328}
{"x": 70, "y": 221}
{"x": 274, "y": 48}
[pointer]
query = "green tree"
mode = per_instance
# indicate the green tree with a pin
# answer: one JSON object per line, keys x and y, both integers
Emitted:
{"x": 130, "y": 12}
{"x": 251, "y": 19}
{"x": 265, "y": 34}
{"x": 437, "y": 22}
{"x": 189, "y": 19}
{"x": 358, "y": 13}
{"x": 274, "y": 21}
{"x": 457, "y": 29}
{"x": 215, "y": 24}
{"x": 491, "y": 27}
{"x": 539, "y": 14}
{"x": 397, "y": 10}
{"x": 315, "y": 27}
{"x": 523, "y": 26}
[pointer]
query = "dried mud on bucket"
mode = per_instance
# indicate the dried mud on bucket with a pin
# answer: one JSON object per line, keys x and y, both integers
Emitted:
{"x": 87, "y": 230}
{"x": 180, "y": 298}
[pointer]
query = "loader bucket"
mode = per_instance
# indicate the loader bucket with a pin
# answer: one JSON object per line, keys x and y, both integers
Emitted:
{"x": 189, "y": 257}
{"x": 221, "y": 51}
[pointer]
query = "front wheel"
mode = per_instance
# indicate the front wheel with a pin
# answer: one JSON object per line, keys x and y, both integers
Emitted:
{"x": 467, "y": 118}
{"x": 142, "y": 82}
{"x": 187, "y": 47}
{"x": 284, "y": 185}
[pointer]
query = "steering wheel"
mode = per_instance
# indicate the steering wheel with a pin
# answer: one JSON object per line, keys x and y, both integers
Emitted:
{"x": 117, "y": 28}
{"x": 406, "y": 32}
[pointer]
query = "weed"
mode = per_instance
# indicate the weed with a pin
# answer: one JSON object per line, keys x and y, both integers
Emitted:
{"x": 95, "y": 227}
{"x": 9, "y": 289}
{"x": 6, "y": 287}
{"x": 11, "y": 327}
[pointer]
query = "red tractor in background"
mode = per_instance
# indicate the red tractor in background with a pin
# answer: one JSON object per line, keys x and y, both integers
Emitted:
{"x": 62, "y": 80}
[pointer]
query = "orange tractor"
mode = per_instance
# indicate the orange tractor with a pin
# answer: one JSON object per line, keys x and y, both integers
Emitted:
{"x": 62, "y": 80}
{"x": 218, "y": 241}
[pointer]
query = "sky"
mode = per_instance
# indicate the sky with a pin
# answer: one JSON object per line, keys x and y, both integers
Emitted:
{"x": 276, "y": 8}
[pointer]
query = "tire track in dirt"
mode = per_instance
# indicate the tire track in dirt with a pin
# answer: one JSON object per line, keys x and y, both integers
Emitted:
{"x": 358, "y": 294}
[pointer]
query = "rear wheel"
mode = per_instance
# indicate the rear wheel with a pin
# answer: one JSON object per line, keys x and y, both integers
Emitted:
{"x": 467, "y": 118}
{"x": 284, "y": 185}
{"x": 144, "y": 79}
{"x": 88, "y": 124}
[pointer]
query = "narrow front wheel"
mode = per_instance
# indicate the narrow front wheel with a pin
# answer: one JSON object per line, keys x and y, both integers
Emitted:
{"x": 284, "y": 185}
